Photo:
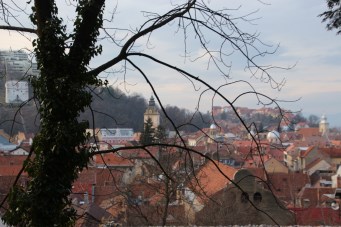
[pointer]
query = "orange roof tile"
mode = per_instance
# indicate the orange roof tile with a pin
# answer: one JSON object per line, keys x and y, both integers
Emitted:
{"x": 210, "y": 179}
{"x": 139, "y": 153}
{"x": 332, "y": 151}
{"x": 111, "y": 159}
{"x": 307, "y": 132}
{"x": 11, "y": 170}
{"x": 12, "y": 159}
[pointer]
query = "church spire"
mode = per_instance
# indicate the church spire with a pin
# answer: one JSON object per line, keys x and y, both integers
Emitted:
{"x": 151, "y": 101}
{"x": 152, "y": 113}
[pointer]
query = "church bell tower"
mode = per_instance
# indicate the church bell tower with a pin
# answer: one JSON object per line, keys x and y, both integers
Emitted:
{"x": 152, "y": 113}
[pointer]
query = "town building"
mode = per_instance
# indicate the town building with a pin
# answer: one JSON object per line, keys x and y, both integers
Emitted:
{"x": 16, "y": 68}
{"x": 324, "y": 126}
{"x": 152, "y": 113}
{"x": 115, "y": 135}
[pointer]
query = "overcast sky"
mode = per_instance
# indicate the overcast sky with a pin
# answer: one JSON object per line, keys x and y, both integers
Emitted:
{"x": 293, "y": 25}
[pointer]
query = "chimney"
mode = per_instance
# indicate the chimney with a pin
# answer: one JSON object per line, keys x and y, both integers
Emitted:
{"x": 339, "y": 181}
{"x": 86, "y": 198}
{"x": 93, "y": 193}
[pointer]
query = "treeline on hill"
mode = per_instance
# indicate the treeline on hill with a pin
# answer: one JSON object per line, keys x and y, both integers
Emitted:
{"x": 262, "y": 121}
{"x": 111, "y": 108}
{"x": 266, "y": 122}
{"x": 185, "y": 120}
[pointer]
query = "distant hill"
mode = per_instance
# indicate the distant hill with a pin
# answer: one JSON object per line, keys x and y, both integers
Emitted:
{"x": 111, "y": 108}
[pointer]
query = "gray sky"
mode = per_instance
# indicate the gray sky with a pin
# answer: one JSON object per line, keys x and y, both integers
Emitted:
{"x": 293, "y": 25}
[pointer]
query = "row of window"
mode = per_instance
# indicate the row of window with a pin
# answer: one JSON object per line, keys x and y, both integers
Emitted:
{"x": 257, "y": 198}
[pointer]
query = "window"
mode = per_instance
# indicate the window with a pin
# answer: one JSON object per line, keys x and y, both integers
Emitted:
{"x": 257, "y": 198}
{"x": 244, "y": 197}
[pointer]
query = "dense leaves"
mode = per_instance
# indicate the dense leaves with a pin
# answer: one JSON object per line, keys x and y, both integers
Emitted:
{"x": 59, "y": 151}
{"x": 333, "y": 15}
{"x": 148, "y": 134}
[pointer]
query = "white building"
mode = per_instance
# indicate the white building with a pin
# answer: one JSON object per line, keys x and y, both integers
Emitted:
{"x": 16, "y": 91}
{"x": 18, "y": 61}
{"x": 16, "y": 68}
{"x": 116, "y": 135}
{"x": 324, "y": 126}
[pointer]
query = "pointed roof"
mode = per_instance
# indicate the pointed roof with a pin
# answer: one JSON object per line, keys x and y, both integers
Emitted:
{"x": 151, "y": 101}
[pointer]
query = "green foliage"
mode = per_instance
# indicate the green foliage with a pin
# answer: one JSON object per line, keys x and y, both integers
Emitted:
{"x": 148, "y": 134}
{"x": 59, "y": 151}
{"x": 313, "y": 121}
{"x": 185, "y": 120}
{"x": 160, "y": 134}
{"x": 333, "y": 15}
{"x": 113, "y": 109}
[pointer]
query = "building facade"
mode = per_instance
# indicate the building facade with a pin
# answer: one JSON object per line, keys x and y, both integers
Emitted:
{"x": 16, "y": 68}
{"x": 152, "y": 113}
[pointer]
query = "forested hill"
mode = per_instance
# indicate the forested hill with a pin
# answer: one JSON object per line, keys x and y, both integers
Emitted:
{"x": 110, "y": 108}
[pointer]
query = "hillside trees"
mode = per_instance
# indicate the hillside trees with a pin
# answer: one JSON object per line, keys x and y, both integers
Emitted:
{"x": 112, "y": 109}
{"x": 64, "y": 49}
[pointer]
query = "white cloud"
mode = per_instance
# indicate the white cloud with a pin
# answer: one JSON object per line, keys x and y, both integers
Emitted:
{"x": 14, "y": 40}
{"x": 294, "y": 24}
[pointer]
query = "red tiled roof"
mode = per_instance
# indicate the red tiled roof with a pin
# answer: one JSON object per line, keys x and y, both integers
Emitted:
{"x": 287, "y": 185}
{"x": 336, "y": 142}
{"x": 210, "y": 180}
{"x": 12, "y": 159}
{"x": 332, "y": 152}
{"x": 139, "y": 153}
{"x": 317, "y": 216}
{"x": 111, "y": 159}
{"x": 307, "y": 132}
{"x": 11, "y": 170}
{"x": 314, "y": 194}
{"x": 277, "y": 154}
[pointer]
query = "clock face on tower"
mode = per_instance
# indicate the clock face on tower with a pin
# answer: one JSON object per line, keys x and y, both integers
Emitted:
{"x": 16, "y": 91}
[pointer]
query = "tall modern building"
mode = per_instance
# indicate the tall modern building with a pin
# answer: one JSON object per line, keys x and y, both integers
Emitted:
{"x": 15, "y": 69}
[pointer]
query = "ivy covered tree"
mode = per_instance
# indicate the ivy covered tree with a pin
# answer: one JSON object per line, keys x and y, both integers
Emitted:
{"x": 64, "y": 49}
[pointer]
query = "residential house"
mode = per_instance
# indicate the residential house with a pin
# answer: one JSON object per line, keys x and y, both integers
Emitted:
{"x": 297, "y": 158}
{"x": 272, "y": 165}
{"x": 312, "y": 196}
{"x": 334, "y": 155}
{"x": 286, "y": 186}
{"x": 222, "y": 195}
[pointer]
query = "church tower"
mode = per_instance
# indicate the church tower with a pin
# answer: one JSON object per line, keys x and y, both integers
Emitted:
{"x": 324, "y": 126}
{"x": 152, "y": 113}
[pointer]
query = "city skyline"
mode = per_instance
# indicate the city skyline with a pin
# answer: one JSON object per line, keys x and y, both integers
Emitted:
{"x": 304, "y": 44}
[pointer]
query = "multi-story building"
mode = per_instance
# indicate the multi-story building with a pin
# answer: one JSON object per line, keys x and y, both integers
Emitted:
{"x": 15, "y": 69}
